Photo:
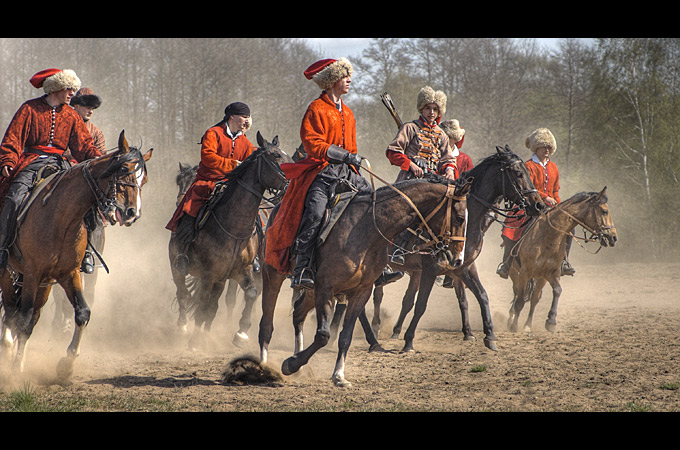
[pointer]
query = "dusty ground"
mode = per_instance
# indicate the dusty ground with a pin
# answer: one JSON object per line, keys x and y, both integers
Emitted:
{"x": 615, "y": 349}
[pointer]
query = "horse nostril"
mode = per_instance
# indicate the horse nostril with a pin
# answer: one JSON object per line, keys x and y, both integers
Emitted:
{"x": 130, "y": 213}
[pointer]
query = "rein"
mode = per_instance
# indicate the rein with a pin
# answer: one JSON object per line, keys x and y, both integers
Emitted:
{"x": 437, "y": 242}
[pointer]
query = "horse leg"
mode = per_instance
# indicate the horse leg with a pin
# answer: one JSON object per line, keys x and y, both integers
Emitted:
{"x": 355, "y": 310}
{"x": 533, "y": 292}
{"x": 519, "y": 287}
{"x": 427, "y": 278}
{"x": 230, "y": 298}
{"x": 378, "y": 295}
{"x": 471, "y": 279}
{"x": 61, "y": 322}
{"x": 301, "y": 307}
{"x": 323, "y": 301}
{"x": 407, "y": 303}
{"x": 209, "y": 293}
{"x": 340, "y": 308}
{"x": 74, "y": 291}
{"x": 250, "y": 293}
{"x": 271, "y": 285}
{"x": 183, "y": 298}
{"x": 551, "y": 322}
{"x": 459, "y": 288}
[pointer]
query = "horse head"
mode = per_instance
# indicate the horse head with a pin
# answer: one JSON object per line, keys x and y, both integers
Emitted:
{"x": 599, "y": 219}
{"x": 126, "y": 174}
{"x": 270, "y": 174}
{"x": 518, "y": 188}
{"x": 184, "y": 178}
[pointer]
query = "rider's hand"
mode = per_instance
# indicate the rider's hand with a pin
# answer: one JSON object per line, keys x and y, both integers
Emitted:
{"x": 450, "y": 174}
{"x": 353, "y": 159}
{"x": 550, "y": 201}
{"x": 417, "y": 171}
{"x": 6, "y": 171}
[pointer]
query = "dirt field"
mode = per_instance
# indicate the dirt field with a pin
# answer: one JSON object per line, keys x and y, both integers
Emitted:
{"x": 615, "y": 349}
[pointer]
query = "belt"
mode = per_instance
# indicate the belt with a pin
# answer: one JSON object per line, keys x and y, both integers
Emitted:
{"x": 44, "y": 150}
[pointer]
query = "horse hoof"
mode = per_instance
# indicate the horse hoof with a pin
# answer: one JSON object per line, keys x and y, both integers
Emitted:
{"x": 376, "y": 348}
{"x": 240, "y": 339}
{"x": 408, "y": 348}
{"x": 289, "y": 367}
{"x": 490, "y": 344}
{"x": 395, "y": 336}
{"x": 469, "y": 337}
{"x": 65, "y": 368}
{"x": 341, "y": 382}
{"x": 550, "y": 326}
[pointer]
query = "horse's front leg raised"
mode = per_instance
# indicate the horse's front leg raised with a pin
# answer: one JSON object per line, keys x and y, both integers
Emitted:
{"x": 323, "y": 301}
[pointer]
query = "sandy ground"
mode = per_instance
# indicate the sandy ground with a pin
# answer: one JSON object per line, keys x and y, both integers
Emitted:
{"x": 615, "y": 348}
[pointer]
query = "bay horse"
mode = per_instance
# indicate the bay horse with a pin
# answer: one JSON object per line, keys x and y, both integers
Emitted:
{"x": 226, "y": 246}
{"x": 42, "y": 254}
{"x": 542, "y": 248}
{"x": 501, "y": 175}
{"x": 354, "y": 254}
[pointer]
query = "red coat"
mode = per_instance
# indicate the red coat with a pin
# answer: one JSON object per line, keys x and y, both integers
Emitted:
{"x": 464, "y": 163}
{"x": 322, "y": 126}
{"x": 547, "y": 183}
{"x": 220, "y": 154}
{"x": 53, "y": 130}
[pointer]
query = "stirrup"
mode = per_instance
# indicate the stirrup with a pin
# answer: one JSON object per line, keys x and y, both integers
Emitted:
{"x": 87, "y": 265}
{"x": 398, "y": 257}
{"x": 303, "y": 282}
{"x": 503, "y": 270}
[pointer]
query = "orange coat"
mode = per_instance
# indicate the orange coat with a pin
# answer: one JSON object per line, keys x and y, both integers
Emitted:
{"x": 220, "y": 154}
{"x": 547, "y": 183}
{"x": 322, "y": 126}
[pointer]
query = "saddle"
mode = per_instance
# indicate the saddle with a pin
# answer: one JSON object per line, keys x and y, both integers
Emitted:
{"x": 342, "y": 192}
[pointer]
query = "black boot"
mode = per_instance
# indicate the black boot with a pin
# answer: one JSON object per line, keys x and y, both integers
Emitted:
{"x": 4, "y": 258}
{"x": 448, "y": 282}
{"x": 303, "y": 276}
{"x": 87, "y": 265}
{"x": 503, "y": 269}
{"x": 388, "y": 276}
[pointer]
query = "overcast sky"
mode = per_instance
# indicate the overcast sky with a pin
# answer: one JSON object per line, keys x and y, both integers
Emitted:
{"x": 337, "y": 47}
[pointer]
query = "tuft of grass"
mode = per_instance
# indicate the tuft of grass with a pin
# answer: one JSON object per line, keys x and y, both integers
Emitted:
{"x": 671, "y": 386}
{"x": 479, "y": 368}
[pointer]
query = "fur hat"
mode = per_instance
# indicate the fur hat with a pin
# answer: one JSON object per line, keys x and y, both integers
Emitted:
{"x": 326, "y": 72}
{"x": 55, "y": 80}
{"x": 428, "y": 95}
{"x": 541, "y": 137}
{"x": 453, "y": 130}
{"x": 85, "y": 97}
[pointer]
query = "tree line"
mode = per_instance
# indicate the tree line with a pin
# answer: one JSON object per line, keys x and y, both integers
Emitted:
{"x": 612, "y": 104}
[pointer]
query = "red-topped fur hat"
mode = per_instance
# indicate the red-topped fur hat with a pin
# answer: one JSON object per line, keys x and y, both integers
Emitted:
{"x": 54, "y": 80}
{"x": 326, "y": 72}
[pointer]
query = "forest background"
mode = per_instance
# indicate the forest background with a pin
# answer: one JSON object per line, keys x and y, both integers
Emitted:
{"x": 612, "y": 104}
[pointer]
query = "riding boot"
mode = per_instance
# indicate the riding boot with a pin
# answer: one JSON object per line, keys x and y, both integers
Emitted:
{"x": 4, "y": 253}
{"x": 303, "y": 275}
{"x": 87, "y": 265}
{"x": 7, "y": 225}
{"x": 566, "y": 268}
{"x": 503, "y": 269}
{"x": 448, "y": 282}
{"x": 388, "y": 276}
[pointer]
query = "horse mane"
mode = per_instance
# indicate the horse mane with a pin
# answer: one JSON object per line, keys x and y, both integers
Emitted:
{"x": 227, "y": 186}
{"x": 119, "y": 158}
{"x": 582, "y": 197}
{"x": 478, "y": 171}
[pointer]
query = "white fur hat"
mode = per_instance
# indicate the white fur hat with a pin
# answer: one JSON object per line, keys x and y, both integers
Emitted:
{"x": 54, "y": 80}
{"x": 326, "y": 72}
{"x": 542, "y": 137}
{"x": 428, "y": 95}
{"x": 453, "y": 130}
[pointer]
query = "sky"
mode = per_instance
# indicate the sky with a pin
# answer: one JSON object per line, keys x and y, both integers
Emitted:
{"x": 337, "y": 47}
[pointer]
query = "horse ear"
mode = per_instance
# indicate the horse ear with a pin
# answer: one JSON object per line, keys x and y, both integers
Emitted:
{"x": 122, "y": 142}
{"x": 275, "y": 142}
{"x": 601, "y": 194}
{"x": 260, "y": 140}
{"x": 147, "y": 155}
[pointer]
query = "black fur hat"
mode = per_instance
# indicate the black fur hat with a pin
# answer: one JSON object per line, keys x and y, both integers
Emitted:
{"x": 86, "y": 97}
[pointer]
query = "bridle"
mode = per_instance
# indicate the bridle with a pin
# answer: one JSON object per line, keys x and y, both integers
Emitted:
{"x": 436, "y": 242}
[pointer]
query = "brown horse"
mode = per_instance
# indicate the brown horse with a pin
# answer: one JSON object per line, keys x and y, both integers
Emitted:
{"x": 226, "y": 246}
{"x": 542, "y": 248}
{"x": 354, "y": 254}
{"x": 42, "y": 254}
{"x": 500, "y": 175}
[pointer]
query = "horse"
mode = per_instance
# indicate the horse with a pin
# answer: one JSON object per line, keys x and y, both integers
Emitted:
{"x": 184, "y": 178}
{"x": 500, "y": 175}
{"x": 542, "y": 248}
{"x": 226, "y": 246}
{"x": 354, "y": 253}
{"x": 42, "y": 254}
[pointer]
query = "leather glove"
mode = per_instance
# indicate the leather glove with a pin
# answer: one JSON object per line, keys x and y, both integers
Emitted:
{"x": 338, "y": 155}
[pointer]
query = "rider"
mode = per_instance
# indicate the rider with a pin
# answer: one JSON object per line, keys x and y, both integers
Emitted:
{"x": 464, "y": 163}
{"x": 85, "y": 102}
{"x": 223, "y": 147}
{"x": 328, "y": 134}
{"x": 36, "y": 139}
{"x": 546, "y": 178}
{"x": 422, "y": 146}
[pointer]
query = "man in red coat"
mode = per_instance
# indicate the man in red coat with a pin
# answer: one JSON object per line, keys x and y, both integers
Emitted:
{"x": 38, "y": 135}
{"x": 328, "y": 134}
{"x": 546, "y": 178}
{"x": 223, "y": 147}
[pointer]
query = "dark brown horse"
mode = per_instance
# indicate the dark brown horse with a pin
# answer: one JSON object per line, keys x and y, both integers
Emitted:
{"x": 501, "y": 175}
{"x": 42, "y": 254}
{"x": 226, "y": 246}
{"x": 354, "y": 254}
{"x": 542, "y": 248}
{"x": 184, "y": 178}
